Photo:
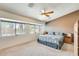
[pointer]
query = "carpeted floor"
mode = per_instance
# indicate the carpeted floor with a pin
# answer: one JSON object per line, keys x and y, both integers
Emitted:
{"x": 36, "y": 49}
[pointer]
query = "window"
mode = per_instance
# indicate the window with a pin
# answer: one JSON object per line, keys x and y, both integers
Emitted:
{"x": 42, "y": 29}
{"x": 27, "y": 28}
{"x": 20, "y": 28}
{"x": 7, "y": 28}
{"x": 37, "y": 29}
{"x": 31, "y": 29}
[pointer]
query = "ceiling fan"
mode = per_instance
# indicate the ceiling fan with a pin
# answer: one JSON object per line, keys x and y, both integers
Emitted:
{"x": 46, "y": 13}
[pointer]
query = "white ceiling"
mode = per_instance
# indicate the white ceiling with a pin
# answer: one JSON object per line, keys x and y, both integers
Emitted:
{"x": 34, "y": 11}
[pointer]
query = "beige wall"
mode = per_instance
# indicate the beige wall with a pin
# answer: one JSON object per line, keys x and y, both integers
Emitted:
{"x": 65, "y": 23}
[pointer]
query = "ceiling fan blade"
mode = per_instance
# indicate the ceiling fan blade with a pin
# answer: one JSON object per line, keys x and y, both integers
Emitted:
{"x": 50, "y": 12}
{"x": 47, "y": 13}
{"x": 43, "y": 13}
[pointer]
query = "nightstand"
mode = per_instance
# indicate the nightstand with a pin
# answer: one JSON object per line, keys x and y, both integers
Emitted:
{"x": 68, "y": 39}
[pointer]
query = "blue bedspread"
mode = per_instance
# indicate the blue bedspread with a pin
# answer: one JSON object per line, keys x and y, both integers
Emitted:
{"x": 52, "y": 40}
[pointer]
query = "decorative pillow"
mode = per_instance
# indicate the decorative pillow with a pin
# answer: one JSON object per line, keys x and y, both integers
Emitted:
{"x": 50, "y": 33}
{"x": 54, "y": 33}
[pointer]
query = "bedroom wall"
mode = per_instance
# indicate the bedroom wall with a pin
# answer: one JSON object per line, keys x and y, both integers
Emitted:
{"x": 65, "y": 23}
{"x": 11, "y": 41}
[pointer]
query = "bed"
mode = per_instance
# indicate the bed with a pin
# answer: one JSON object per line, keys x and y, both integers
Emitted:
{"x": 54, "y": 41}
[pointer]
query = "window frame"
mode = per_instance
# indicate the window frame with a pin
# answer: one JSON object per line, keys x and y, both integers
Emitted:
{"x": 1, "y": 28}
{"x": 33, "y": 28}
{"x": 16, "y": 29}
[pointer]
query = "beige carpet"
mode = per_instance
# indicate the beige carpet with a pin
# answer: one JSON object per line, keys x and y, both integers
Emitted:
{"x": 36, "y": 49}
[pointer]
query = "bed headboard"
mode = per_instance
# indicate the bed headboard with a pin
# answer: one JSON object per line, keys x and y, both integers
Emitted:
{"x": 56, "y": 33}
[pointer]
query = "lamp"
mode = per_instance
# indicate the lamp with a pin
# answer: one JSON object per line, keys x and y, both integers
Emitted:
{"x": 69, "y": 34}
